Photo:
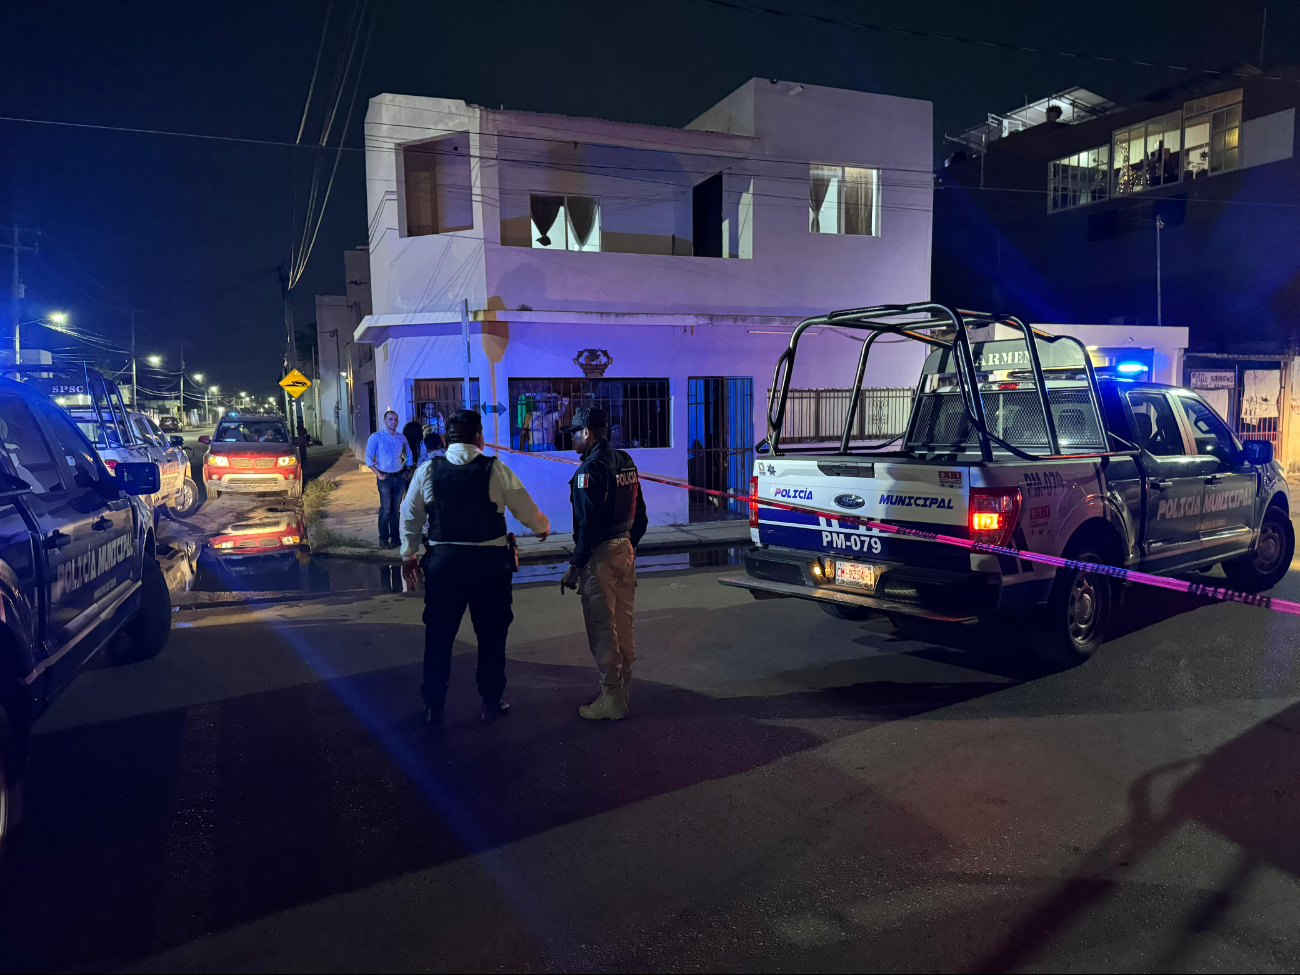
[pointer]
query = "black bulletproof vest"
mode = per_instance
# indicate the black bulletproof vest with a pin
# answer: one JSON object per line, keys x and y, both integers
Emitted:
{"x": 626, "y": 485}
{"x": 461, "y": 509}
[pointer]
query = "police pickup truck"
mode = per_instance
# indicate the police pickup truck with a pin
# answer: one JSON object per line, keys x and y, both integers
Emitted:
{"x": 1012, "y": 441}
{"x": 77, "y": 566}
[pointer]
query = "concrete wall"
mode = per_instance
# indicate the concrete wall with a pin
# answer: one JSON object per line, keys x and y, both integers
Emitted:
{"x": 336, "y": 319}
{"x": 675, "y": 352}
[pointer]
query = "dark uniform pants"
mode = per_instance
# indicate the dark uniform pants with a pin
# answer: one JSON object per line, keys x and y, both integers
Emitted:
{"x": 391, "y": 490}
{"x": 607, "y": 585}
{"x": 456, "y": 576}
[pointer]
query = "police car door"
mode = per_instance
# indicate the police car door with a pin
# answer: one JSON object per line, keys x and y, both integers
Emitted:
{"x": 1230, "y": 482}
{"x": 95, "y": 566}
{"x": 1174, "y": 482}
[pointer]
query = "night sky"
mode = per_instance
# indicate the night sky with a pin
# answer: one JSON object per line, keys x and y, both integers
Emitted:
{"x": 192, "y": 230}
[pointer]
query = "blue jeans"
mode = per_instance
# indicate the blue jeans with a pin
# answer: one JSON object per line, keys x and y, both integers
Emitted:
{"x": 391, "y": 490}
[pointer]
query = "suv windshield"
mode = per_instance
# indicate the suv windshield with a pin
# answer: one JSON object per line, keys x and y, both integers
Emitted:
{"x": 251, "y": 431}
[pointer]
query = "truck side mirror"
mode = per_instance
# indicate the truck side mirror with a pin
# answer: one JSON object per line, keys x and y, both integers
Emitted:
{"x": 138, "y": 479}
{"x": 1258, "y": 452}
{"x": 205, "y": 439}
{"x": 176, "y": 440}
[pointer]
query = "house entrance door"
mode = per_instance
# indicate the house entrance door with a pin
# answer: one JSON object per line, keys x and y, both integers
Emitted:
{"x": 720, "y": 444}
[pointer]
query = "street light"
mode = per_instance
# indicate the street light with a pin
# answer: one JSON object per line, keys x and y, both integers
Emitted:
{"x": 59, "y": 317}
{"x": 198, "y": 377}
{"x": 153, "y": 360}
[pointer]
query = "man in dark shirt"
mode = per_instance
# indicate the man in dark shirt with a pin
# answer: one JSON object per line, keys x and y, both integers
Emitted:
{"x": 608, "y": 521}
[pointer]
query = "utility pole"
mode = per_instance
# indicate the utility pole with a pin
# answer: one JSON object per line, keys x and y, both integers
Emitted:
{"x": 18, "y": 291}
{"x": 182, "y": 381}
{"x": 1160, "y": 225}
{"x": 291, "y": 355}
{"x": 135, "y": 401}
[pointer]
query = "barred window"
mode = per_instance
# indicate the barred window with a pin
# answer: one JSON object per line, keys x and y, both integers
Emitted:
{"x": 639, "y": 411}
{"x": 433, "y": 400}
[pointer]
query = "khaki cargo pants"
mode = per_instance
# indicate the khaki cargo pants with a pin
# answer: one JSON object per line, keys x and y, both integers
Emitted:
{"x": 607, "y": 585}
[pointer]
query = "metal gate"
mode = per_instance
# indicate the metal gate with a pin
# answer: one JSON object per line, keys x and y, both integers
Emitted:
{"x": 720, "y": 454}
{"x": 1226, "y": 386}
{"x": 817, "y": 415}
{"x": 433, "y": 400}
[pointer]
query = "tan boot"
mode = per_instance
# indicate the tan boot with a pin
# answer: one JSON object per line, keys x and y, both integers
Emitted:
{"x": 611, "y": 704}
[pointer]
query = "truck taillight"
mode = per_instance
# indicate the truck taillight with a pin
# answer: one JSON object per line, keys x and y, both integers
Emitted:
{"x": 111, "y": 465}
{"x": 753, "y": 502}
{"x": 993, "y": 514}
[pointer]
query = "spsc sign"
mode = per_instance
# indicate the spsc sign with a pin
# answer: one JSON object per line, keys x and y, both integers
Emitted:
{"x": 295, "y": 383}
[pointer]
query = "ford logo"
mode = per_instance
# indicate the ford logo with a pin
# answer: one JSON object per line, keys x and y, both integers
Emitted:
{"x": 849, "y": 501}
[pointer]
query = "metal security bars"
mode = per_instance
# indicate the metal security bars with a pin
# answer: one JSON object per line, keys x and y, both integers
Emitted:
{"x": 815, "y": 415}
{"x": 720, "y": 433}
{"x": 433, "y": 400}
{"x": 639, "y": 411}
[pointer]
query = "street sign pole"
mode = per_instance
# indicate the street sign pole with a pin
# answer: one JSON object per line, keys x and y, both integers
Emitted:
{"x": 464, "y": 332}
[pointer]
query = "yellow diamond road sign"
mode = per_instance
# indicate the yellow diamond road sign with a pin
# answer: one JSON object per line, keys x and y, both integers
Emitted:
{"x": 295, "y": 383}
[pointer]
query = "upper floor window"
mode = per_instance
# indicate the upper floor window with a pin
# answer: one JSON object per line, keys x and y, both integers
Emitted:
{"x": 843, "y": 200}
{"x": 1078, "y": 179}
{"x": 565, "y": 223}
{"x": 438, "y": 186}
{"x": 1212, "y": 130}
{"x": 1148, "y": 154}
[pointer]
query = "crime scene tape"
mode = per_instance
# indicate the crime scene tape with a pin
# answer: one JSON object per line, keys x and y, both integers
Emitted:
{"x": 1127, "y": 575}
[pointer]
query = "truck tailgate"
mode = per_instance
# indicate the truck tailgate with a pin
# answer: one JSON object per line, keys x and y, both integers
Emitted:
{"x": 909, "y": 493}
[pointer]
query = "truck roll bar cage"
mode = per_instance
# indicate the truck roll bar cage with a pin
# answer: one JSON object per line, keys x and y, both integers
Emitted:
{"x": 98, "y": 389}
{"x": 883, "y": 320}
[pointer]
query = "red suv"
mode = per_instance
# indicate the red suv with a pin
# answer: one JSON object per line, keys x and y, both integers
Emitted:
{"x": 251, "y": 454}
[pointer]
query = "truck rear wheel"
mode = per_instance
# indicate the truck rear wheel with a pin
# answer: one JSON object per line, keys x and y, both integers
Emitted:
{"x": 147, "y": 632}
{"x": 11, "y": 760}
{"x": 1078, "y": 613}
{"x": 1264, "y": 568}
{"x": 842, "y": 611}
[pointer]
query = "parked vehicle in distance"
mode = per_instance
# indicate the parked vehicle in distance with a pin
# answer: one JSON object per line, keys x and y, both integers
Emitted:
{"x": 1014, "y": 442}
{"x": 251, "y": 453}
{"x": 179, "y": 494}
{"x": 78, "y": 571}
{"x": 170, "y": 424}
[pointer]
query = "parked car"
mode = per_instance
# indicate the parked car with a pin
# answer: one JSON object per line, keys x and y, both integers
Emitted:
{"x": 251, "y": 453}
{"x": 118, "y": 440}
{"x": 179, "y": 492}
{"x": 1014, "y": 442}
{"x": 170, "y": 424}
{"x": 78, "y": 572}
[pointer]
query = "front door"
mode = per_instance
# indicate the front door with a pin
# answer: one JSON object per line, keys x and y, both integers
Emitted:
{"x": 1174, "y": 483}
{"x": 94, "y": 559}
{"x": 720, "y": 438}
{"x": 1231, "y": 485}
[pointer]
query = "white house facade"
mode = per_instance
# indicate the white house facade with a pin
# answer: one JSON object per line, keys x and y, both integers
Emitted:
{"x": 654, "y": 272}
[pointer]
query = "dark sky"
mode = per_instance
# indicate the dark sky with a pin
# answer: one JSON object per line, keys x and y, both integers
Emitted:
{"x": 191, "y": 230}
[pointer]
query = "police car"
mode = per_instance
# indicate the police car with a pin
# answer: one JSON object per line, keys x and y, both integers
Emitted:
{"x": 77, "y": 566}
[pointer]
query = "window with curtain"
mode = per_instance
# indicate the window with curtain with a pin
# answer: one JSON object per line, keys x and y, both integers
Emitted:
{"x": 565, "y": 223}
{"x": 843, "y": 200}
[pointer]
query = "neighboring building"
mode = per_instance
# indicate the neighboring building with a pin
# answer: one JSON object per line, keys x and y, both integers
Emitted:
{"x": 654, "y": 271}
{"x": 1182, "y": 208}
{"x": 345, "y": 366}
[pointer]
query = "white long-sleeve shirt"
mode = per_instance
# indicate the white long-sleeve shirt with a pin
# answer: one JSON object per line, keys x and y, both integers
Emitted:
{"x": 505, "y": 490}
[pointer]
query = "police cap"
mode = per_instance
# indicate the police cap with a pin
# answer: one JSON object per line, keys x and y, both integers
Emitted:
{"x": 590, "y": 417}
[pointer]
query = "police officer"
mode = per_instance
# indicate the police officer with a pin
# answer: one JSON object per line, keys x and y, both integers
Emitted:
{"x": 608, "y": 522}
{"x": 469, "y": 562}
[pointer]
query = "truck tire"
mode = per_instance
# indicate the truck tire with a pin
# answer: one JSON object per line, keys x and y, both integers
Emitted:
{"x": 146, "y": 634}
{"x": 11, "y": 767}
{"x": 842, "y": 611}
{"x": 187, "y": 501}
{"x": 1078, "y": 613}
{"x": 1264, "y": 568}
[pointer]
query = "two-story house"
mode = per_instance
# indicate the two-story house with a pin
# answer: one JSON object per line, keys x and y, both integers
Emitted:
{"x": 538, "y": 262}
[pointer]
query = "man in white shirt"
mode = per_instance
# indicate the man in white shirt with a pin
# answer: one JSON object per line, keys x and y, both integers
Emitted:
{"x": 469, "y": 562}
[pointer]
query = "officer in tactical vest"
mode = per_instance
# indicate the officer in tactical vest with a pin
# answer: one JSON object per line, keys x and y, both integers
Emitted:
{"x": 469, "y": 560}
{"x": 608, "y": 522}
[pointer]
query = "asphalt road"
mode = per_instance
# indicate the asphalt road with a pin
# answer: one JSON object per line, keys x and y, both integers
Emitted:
{"x": 792, "y": 793}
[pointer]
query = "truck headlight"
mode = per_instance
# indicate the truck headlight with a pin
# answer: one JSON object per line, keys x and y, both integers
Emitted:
{"x": 287, "y": 461}
{"x": 218, "y": 460}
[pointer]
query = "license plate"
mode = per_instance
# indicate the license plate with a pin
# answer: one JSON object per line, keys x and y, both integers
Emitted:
{"x": 858, "y": 574}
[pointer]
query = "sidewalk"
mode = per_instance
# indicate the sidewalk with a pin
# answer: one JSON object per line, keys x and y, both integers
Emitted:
{"x": 345, "y": 524}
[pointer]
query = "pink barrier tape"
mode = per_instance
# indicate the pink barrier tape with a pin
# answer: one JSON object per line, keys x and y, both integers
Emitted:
{"x": 1127, "y": 575}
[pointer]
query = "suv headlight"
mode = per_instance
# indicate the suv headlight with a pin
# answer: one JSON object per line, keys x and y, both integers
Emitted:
{"x": 218, "y": 460}
{"x": 287, "y": 461}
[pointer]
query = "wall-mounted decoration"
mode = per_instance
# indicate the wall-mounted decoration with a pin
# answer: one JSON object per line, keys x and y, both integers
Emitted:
{"x": 593, "y": 362}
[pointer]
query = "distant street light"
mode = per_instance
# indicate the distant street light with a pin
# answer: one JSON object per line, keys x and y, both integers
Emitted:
{"x": 59, "y": 317}
{"x": 153, "y": 360}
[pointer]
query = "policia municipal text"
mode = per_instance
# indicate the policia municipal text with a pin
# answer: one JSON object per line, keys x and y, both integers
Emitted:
{"x": 469, "y": 561}
{"x": 608, "y": 521}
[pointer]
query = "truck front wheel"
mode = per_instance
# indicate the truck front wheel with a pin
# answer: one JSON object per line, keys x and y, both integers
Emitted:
{"x": 1078, "y": 613}
{"x": 146, "y": 634}
{"x": 1264, "y": 568}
